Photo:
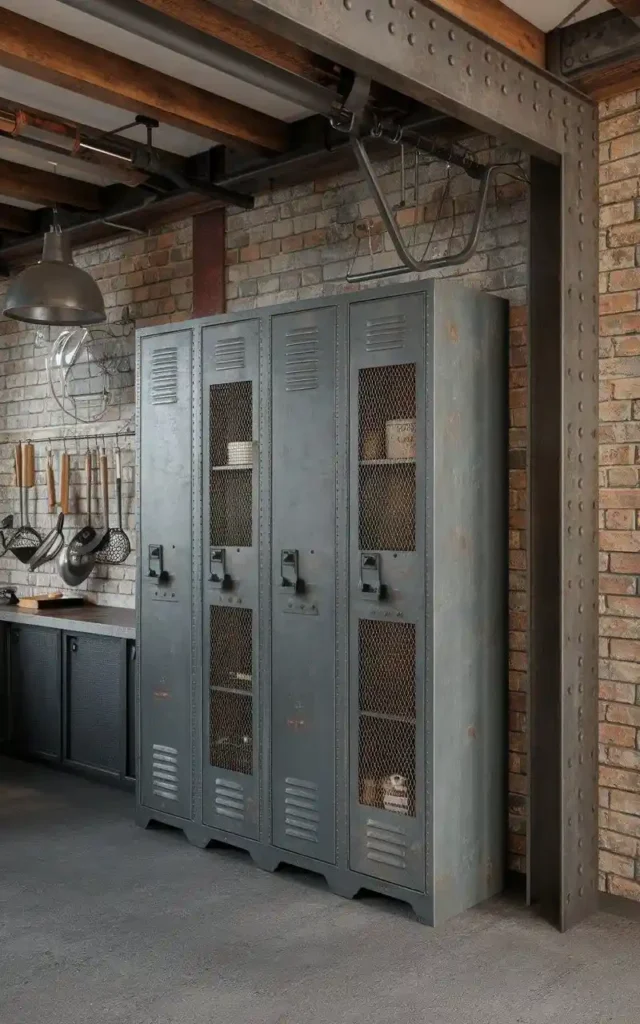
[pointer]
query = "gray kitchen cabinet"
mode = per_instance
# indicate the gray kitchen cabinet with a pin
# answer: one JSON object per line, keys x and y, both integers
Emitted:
{"x": 94, "y": 702}
{"x": 36, "y": 693}
{"x": 69, "y": 697}
{"x": 322, "y": 613}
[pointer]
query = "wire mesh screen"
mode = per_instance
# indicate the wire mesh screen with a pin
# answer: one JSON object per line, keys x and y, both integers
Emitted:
{"x": 230, "y": 689}
{"x": 387, "y": 456}
{"x": 231, "y": 454}
{"x": 387, "y": 713}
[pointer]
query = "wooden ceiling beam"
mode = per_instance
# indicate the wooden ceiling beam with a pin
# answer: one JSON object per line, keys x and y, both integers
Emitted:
{"x": 15, "y": 218}
{"x": 500, "y": 23}
{"x": 235, "y": 31}
{"x": 46, "y": 189}
{"x": 60, "y": 59}
{"x": 629, "y": 7}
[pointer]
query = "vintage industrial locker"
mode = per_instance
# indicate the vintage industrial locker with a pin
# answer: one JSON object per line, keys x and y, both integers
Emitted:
{"x": 164, "y": 572}
{"x": 336, "y": 695}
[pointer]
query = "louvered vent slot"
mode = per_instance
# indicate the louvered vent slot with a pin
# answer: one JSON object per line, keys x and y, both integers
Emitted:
{"x": 385, "y": 332}
{"x": 301, "y": 810}
{"x": 386, "y": 845}
{"x": 165, "y": 772}
{"x": 301, "y": 371}
{"x": 229, "y": 354}
{"x": 229, "y": 799}
{"x": 164, "y": 376}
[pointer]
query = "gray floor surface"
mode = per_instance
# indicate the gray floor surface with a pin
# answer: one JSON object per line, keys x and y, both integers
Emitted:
{"x": 104, "y": 923}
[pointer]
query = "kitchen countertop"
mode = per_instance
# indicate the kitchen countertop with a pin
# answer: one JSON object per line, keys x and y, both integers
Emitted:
{"x": 118, "y": 622}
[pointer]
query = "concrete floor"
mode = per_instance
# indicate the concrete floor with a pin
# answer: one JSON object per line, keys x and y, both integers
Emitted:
{"x": 101, "y": 922}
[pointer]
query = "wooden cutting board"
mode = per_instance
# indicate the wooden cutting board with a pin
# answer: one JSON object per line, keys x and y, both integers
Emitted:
{"x": 50, "y": 601}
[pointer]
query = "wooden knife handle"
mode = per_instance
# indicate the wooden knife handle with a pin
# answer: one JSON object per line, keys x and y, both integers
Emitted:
{"x": 28, "y": 465}
{"x": 18, "y": 464}
{"x": 64, "y": 482}
{"x": 51, "y": 484}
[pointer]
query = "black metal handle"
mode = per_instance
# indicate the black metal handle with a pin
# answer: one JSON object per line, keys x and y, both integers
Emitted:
{"x": 370, "y": 583}
{"x": 218, "y": 575}
{"x": 74, "y": 646}
{"x": 289, "y": 572}
{"x": 156, "y": 570}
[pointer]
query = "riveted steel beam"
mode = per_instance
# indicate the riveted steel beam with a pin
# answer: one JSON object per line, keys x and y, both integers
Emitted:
{"x": 585, "y": 52}
{"x": 419, "y": 50}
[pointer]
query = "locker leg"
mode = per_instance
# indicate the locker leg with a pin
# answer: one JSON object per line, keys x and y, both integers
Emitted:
{"x": 143, "y": 818}
{"x": 423, "y": 910}
{"x": 265, "y": 858}
{"x": 342, "y": 885}
{"x": 197, "y": 836}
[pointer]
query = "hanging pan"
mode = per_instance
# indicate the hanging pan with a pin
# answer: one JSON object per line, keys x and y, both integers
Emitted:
{"x": 73, "y": 566}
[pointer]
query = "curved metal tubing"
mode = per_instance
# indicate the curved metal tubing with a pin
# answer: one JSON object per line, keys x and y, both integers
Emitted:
{"x": 411, "y": 264}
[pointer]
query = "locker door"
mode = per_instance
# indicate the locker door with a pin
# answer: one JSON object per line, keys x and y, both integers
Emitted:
{"x": 303, "y": 574}
{"x": 231, "y": 354}
{"x": 164, "y": 649}
{"x": 386, "y": 588}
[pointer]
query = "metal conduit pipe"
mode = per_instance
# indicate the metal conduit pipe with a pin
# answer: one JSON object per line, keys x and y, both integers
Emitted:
{"x": 159, "y": 28}
{"x": 389, "y": 221}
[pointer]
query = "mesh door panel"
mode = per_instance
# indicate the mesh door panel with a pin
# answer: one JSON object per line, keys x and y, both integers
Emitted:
{"x": 231, "y": 478}
{"x": 387, "y": 471}
{"x": 231, "y": 689}
{"x": 387, "y": 715}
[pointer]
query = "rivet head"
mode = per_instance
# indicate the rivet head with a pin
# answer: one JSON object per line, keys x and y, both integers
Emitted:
{"x": 392, "y": 28}
{"x": 411, "y": 39}
{"x": 368, "y": 14}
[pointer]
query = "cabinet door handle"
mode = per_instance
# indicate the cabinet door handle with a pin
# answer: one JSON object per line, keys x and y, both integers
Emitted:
{"x": 74, "y": 646}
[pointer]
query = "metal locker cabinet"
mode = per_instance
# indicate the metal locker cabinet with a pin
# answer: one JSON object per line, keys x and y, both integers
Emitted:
{"x": 230, "y": 417}
{"x": 164, "y": 571}
{"x": 387, "y": 605}
{"x": 36, "y": 690}
{"x": 303, "y": 487}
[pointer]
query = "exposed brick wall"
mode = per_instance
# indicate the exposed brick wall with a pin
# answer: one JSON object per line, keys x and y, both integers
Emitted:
{"x": 153, "y": 276}
{"x": 620, "y": 496}
{"x": 299, "y": 243}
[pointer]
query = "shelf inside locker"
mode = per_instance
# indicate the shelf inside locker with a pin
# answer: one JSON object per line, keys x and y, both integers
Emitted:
{"x": 232, "y": 469}
{"x": 231, "y": 689}
{"x": 387, "y": 462}
{"x": 385, "y": 717}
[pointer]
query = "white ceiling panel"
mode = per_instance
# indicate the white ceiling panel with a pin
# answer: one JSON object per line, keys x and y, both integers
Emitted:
{"x": 74, "y": 106}
{"x": 101, "y": 33}
{"x": 68, "y": 167}
{"x": 547, "y": 14}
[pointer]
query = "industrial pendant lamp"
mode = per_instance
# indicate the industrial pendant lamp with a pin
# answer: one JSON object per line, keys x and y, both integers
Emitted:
{"x": 55, "y": 291}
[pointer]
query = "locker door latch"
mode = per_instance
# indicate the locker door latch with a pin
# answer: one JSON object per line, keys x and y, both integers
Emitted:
{"x": 370, "y": 585}
{"x": 289, "y": 578}
{"x": 218, "y": 576}
{"x": 156, "y": 571}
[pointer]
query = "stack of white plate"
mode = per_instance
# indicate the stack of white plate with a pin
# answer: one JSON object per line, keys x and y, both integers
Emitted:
{"x": 240, "y": 453}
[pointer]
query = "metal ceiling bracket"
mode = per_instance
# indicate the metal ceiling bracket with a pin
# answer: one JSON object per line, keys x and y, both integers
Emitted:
{"x": 592, "y": 45}
{"x": 389, "y": 221}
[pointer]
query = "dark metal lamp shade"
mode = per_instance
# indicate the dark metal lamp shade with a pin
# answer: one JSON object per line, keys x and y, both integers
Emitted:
{"x": 55, "y": 291}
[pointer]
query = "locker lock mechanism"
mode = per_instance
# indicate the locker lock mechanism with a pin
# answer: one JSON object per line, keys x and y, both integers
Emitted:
{"x": 289, "y": 578}
{"x": 156, "y": 571}
{"x": 218, "y": 575}
{"x": 370, "y": 585}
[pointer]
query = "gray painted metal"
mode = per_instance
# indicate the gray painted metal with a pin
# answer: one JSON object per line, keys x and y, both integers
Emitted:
{"x": 230, "y": 356}
{"x": 428, "y": 54}
{"x": 467, "y": 495}
{"x": 596, "y": 43}
{"x": 303, "y": 752}
{"x": 307, "y": 686}
{"x": 93, "y": 732}
{"x": 164, "y": 628}
{"x": 383, "y": 332}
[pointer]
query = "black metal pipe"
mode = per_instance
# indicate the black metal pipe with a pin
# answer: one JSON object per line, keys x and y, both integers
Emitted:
{"x": 159, "y": 28}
